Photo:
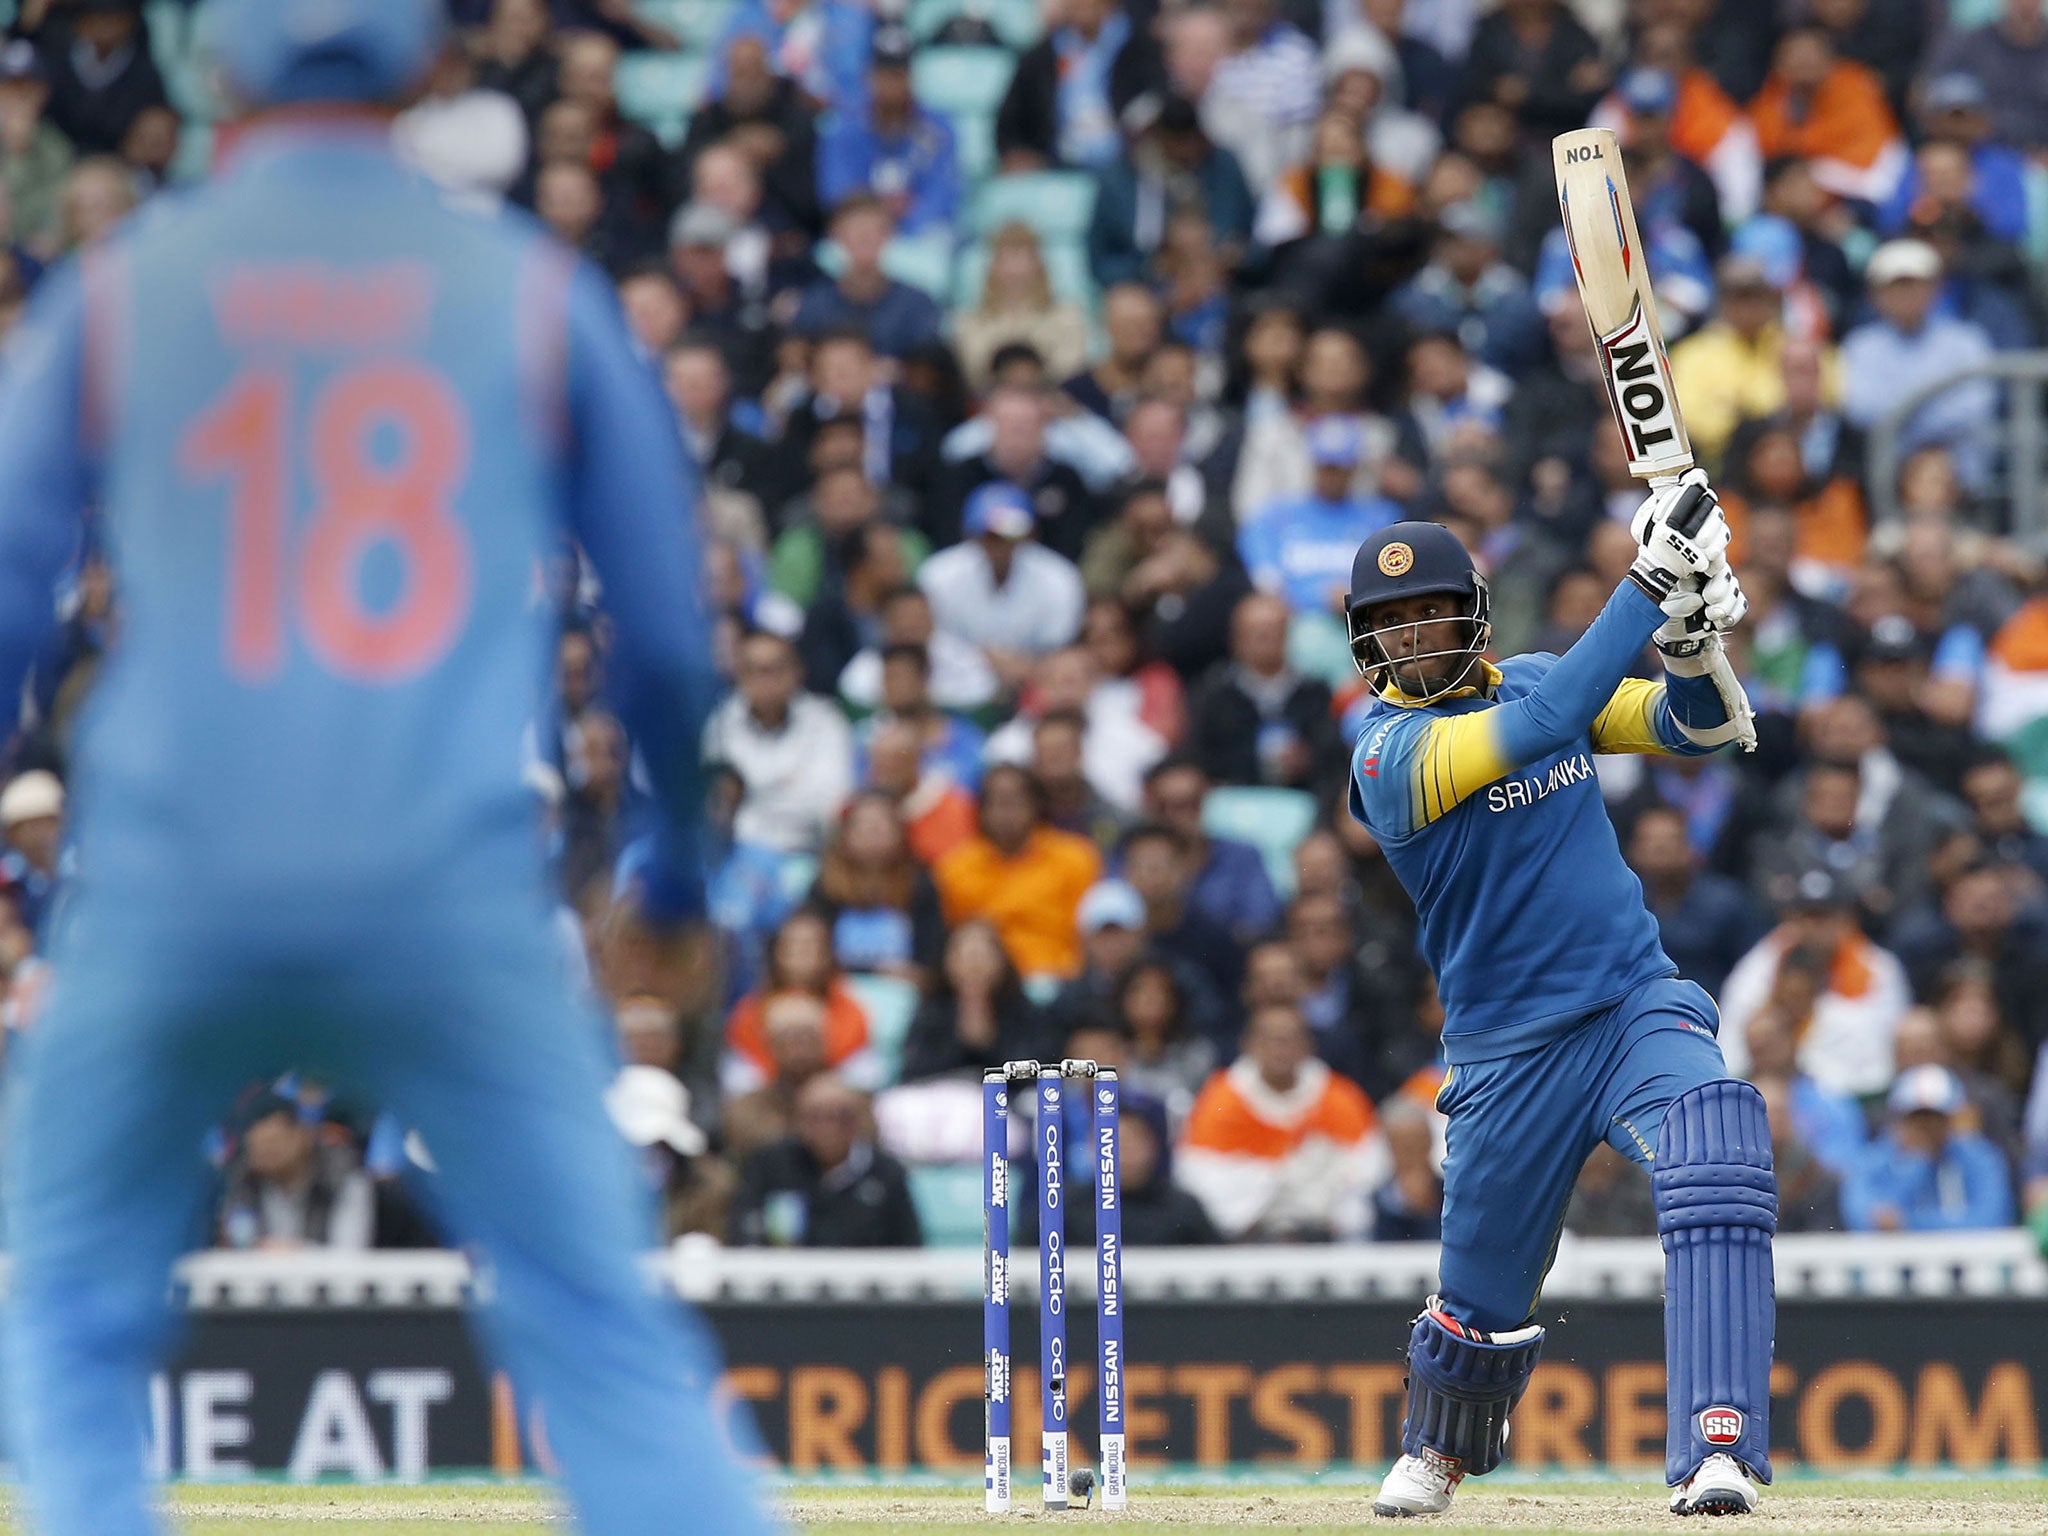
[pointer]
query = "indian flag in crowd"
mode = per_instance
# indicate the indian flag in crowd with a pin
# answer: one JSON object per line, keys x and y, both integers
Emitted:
{"x": 2012, "y": 705}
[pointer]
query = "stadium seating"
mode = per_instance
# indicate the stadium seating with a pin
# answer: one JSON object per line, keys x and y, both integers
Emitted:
{"x": 1057, "y": 204}
{"x": 1271, "y": 820}
{"x": 1317, "y": 647}
{"x": 1019, "y": 23}
{"x": 890, "y": 1003}
{"x": 659, "y": 90}
{"x": 923, "y": 261}
{"x": 974, "y": 143}
{"x": 697, "y": 22}
{"x": 948, "y": 1199}
{"x": 962, "y": 81}
{"x": 195, "y": 153}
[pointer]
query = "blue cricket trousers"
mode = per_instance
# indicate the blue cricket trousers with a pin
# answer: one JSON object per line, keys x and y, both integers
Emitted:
{"x": 459, "y": 1020}
{"x": 1522, "y": 1126}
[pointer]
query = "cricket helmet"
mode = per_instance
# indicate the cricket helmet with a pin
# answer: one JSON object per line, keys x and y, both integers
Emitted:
{"x": 1412, "y": 560}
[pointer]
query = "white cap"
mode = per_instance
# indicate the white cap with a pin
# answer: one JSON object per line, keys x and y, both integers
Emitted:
{"x": 1897, "y": 259}
{"x": 1926, "y": 1087}
{"x": 649, "y": 1105}
{"x": 30, "y": 795}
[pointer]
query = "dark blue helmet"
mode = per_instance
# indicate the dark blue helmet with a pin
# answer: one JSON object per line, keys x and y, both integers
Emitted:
{"x": 1410, "y": 560}
{"x": 276, "y": 52}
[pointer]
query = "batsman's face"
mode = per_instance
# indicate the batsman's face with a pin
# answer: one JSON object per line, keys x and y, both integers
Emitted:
{"x": 1423, "y": 639}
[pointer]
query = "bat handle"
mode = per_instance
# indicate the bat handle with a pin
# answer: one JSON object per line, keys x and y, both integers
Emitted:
{"x": 1689, "y": 515}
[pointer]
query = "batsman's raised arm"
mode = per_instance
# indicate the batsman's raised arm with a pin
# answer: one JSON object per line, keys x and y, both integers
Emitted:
{"x": 1418, "y": 633}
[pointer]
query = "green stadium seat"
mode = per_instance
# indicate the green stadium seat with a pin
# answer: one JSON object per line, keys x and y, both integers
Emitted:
{"x": 923, "y": 261}
{"x": 191, "y": 91}
{"x": 1274, "y": 821}
{"x": 1058, "y": 204}
{"x": 1317, "y": 647}
{"x": 799, "y": 872}
{"x": 891, "y": 1004}
{"x": 948, "y": 1200}
{"x": 660, "y": 90}
{"x": 697, "y": 22}
{"x": 1019, "y": 23}
{"x": 974, "y": 143}
{"x": 2037, "y": 214}
{"x": 170, "y": 30}
{"x": 960, "y": 81}
{"x": 195, "y": 154}
{"x": 1042, "y": 989}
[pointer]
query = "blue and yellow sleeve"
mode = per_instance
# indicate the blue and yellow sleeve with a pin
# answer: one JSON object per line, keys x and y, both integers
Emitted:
{"x": 1412, "y": 769}
{"x": 1679, "y": 717}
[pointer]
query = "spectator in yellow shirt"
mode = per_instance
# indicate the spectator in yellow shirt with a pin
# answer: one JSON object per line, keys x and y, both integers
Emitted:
{"x": 1728, "y": 369}
{"x": 1021, "y": 876}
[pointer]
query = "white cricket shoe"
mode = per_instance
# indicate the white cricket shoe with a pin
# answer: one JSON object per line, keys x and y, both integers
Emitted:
{"x": 1720, "y": 1487}
{"x": 1419, "y": 1485}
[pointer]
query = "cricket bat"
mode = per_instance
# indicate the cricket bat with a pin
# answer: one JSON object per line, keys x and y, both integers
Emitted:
{"x": 1614, "y": 285}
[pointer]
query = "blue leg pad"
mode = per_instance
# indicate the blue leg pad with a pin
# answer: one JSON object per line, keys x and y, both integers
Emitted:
{"x": 1717, "y": 1206}
{"x": 1462, "y": 1385}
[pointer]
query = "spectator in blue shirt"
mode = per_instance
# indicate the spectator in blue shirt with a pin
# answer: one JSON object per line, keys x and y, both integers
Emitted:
{"x": 1173, "y": 167}
{"x": 895, "y": 317}
{"x": 1925, "y": 1172}
{"x": 1230, "y": 886}
{"x": 1301, "y": 546}
{"x": 822, "y": 45}
{"x": 1068, "y": 97}
{"x": 1470, "y": 292}
{"x": 1908, "y": 347}
{"x": 892, "y": 148}
{"x": 1956, "y": 108}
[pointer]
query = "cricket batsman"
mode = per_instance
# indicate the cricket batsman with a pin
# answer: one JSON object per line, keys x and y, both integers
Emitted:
{"x": 1565, "y": 1022}
{"x": 330, "y": 428}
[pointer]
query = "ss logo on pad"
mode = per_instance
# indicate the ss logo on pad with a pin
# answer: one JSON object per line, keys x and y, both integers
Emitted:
{"x": 1720, "y": 1426}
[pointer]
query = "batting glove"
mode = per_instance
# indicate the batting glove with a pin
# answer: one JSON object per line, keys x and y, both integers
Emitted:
{"x": 1684, "y": 543}
{"x": 1724, "y": 602}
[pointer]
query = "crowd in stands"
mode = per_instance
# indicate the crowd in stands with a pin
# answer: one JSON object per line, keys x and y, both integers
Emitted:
{"x": 1043, "y": 363}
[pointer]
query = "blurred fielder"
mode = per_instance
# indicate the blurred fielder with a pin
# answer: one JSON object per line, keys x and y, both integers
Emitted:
{"x": 331, "y": 428}
{"x": 1565, "y": 1022}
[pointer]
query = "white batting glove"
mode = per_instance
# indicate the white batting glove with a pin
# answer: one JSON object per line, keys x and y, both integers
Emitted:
{"x": 1723, "y": 600}
{"x": 1672, "y": 564}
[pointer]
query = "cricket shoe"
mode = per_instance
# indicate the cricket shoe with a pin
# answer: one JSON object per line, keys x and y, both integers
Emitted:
{"x": 1720, "y": 1487}
{"x": 1419, "y": 1485}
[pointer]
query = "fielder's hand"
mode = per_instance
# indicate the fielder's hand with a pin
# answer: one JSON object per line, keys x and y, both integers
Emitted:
{"x": 1684, "y": 539}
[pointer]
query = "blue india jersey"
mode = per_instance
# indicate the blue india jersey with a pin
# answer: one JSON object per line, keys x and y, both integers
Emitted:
{"x": 332, "y": 428}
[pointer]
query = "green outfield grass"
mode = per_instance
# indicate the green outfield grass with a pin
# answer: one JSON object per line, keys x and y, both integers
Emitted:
{"x": 1817, "y": 1506}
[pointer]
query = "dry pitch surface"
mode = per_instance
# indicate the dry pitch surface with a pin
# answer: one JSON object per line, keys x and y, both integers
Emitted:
{"x": 1820, "y": 1508}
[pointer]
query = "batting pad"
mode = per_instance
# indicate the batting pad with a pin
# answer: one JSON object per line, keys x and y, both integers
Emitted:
{"x": 1717, "y": 1206}
{"x": 1461, "y": 1388}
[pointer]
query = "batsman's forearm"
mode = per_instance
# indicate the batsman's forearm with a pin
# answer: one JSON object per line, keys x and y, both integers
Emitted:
{"x": 1564, "y": 705}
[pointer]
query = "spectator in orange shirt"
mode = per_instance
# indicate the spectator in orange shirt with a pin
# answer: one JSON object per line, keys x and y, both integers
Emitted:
{"x": 1832, "y": 111}
{"x": 1278, "y": 1147}
{"x": 938, "y": 815}
{"x": 800, "y": 962}
{"x": 1022, "y": 876}
{"x": 1827, "y": 510}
